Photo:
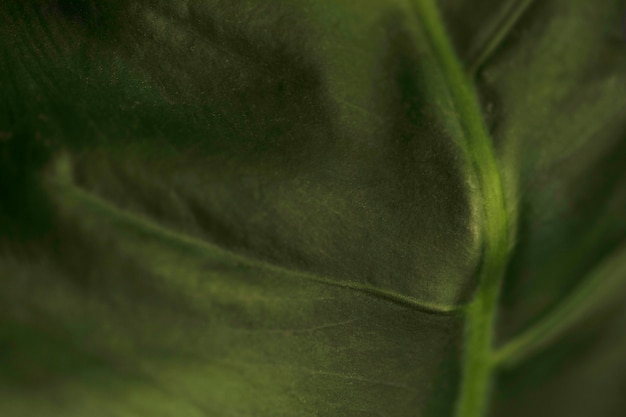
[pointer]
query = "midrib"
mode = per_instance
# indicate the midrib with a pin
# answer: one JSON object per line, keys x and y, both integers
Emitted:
{"x": 478, "y": 353}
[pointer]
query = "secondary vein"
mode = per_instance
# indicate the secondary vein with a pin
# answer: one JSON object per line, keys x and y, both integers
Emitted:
{"x": 65, "y": 189}
{"x": 601, "y": 284}
{"x": 496, "y": 32}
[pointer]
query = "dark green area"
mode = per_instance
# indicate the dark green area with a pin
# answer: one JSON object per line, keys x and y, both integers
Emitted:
{"x": 312, "y": 208}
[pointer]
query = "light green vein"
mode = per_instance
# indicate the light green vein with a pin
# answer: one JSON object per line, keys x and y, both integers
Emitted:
{"x": 604, "y": 282}
{"x": 64, "y": 189}
{"x": 495, "y": 32}
{"x": 477, "y": 362}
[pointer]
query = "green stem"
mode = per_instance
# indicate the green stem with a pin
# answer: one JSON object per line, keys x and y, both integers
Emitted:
{"x": 477, "y": 363}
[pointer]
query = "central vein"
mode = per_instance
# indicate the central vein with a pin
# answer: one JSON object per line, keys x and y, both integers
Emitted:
{"x": 478, "y": 355}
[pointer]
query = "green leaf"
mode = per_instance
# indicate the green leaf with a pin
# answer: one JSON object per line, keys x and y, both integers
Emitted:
{"x": 312, "y": 208}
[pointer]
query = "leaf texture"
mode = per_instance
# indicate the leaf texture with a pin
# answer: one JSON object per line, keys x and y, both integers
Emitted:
{"x": 312, "y": 208}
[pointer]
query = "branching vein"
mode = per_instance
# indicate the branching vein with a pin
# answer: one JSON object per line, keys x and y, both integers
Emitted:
{"x": 602, "y": 283}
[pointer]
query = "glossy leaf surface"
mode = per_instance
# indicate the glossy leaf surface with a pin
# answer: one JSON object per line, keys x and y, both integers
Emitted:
{"x": 312, "y": 208}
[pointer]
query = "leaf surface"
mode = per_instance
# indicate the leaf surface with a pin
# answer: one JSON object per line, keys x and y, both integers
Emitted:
{"x": 390, "y": 208}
